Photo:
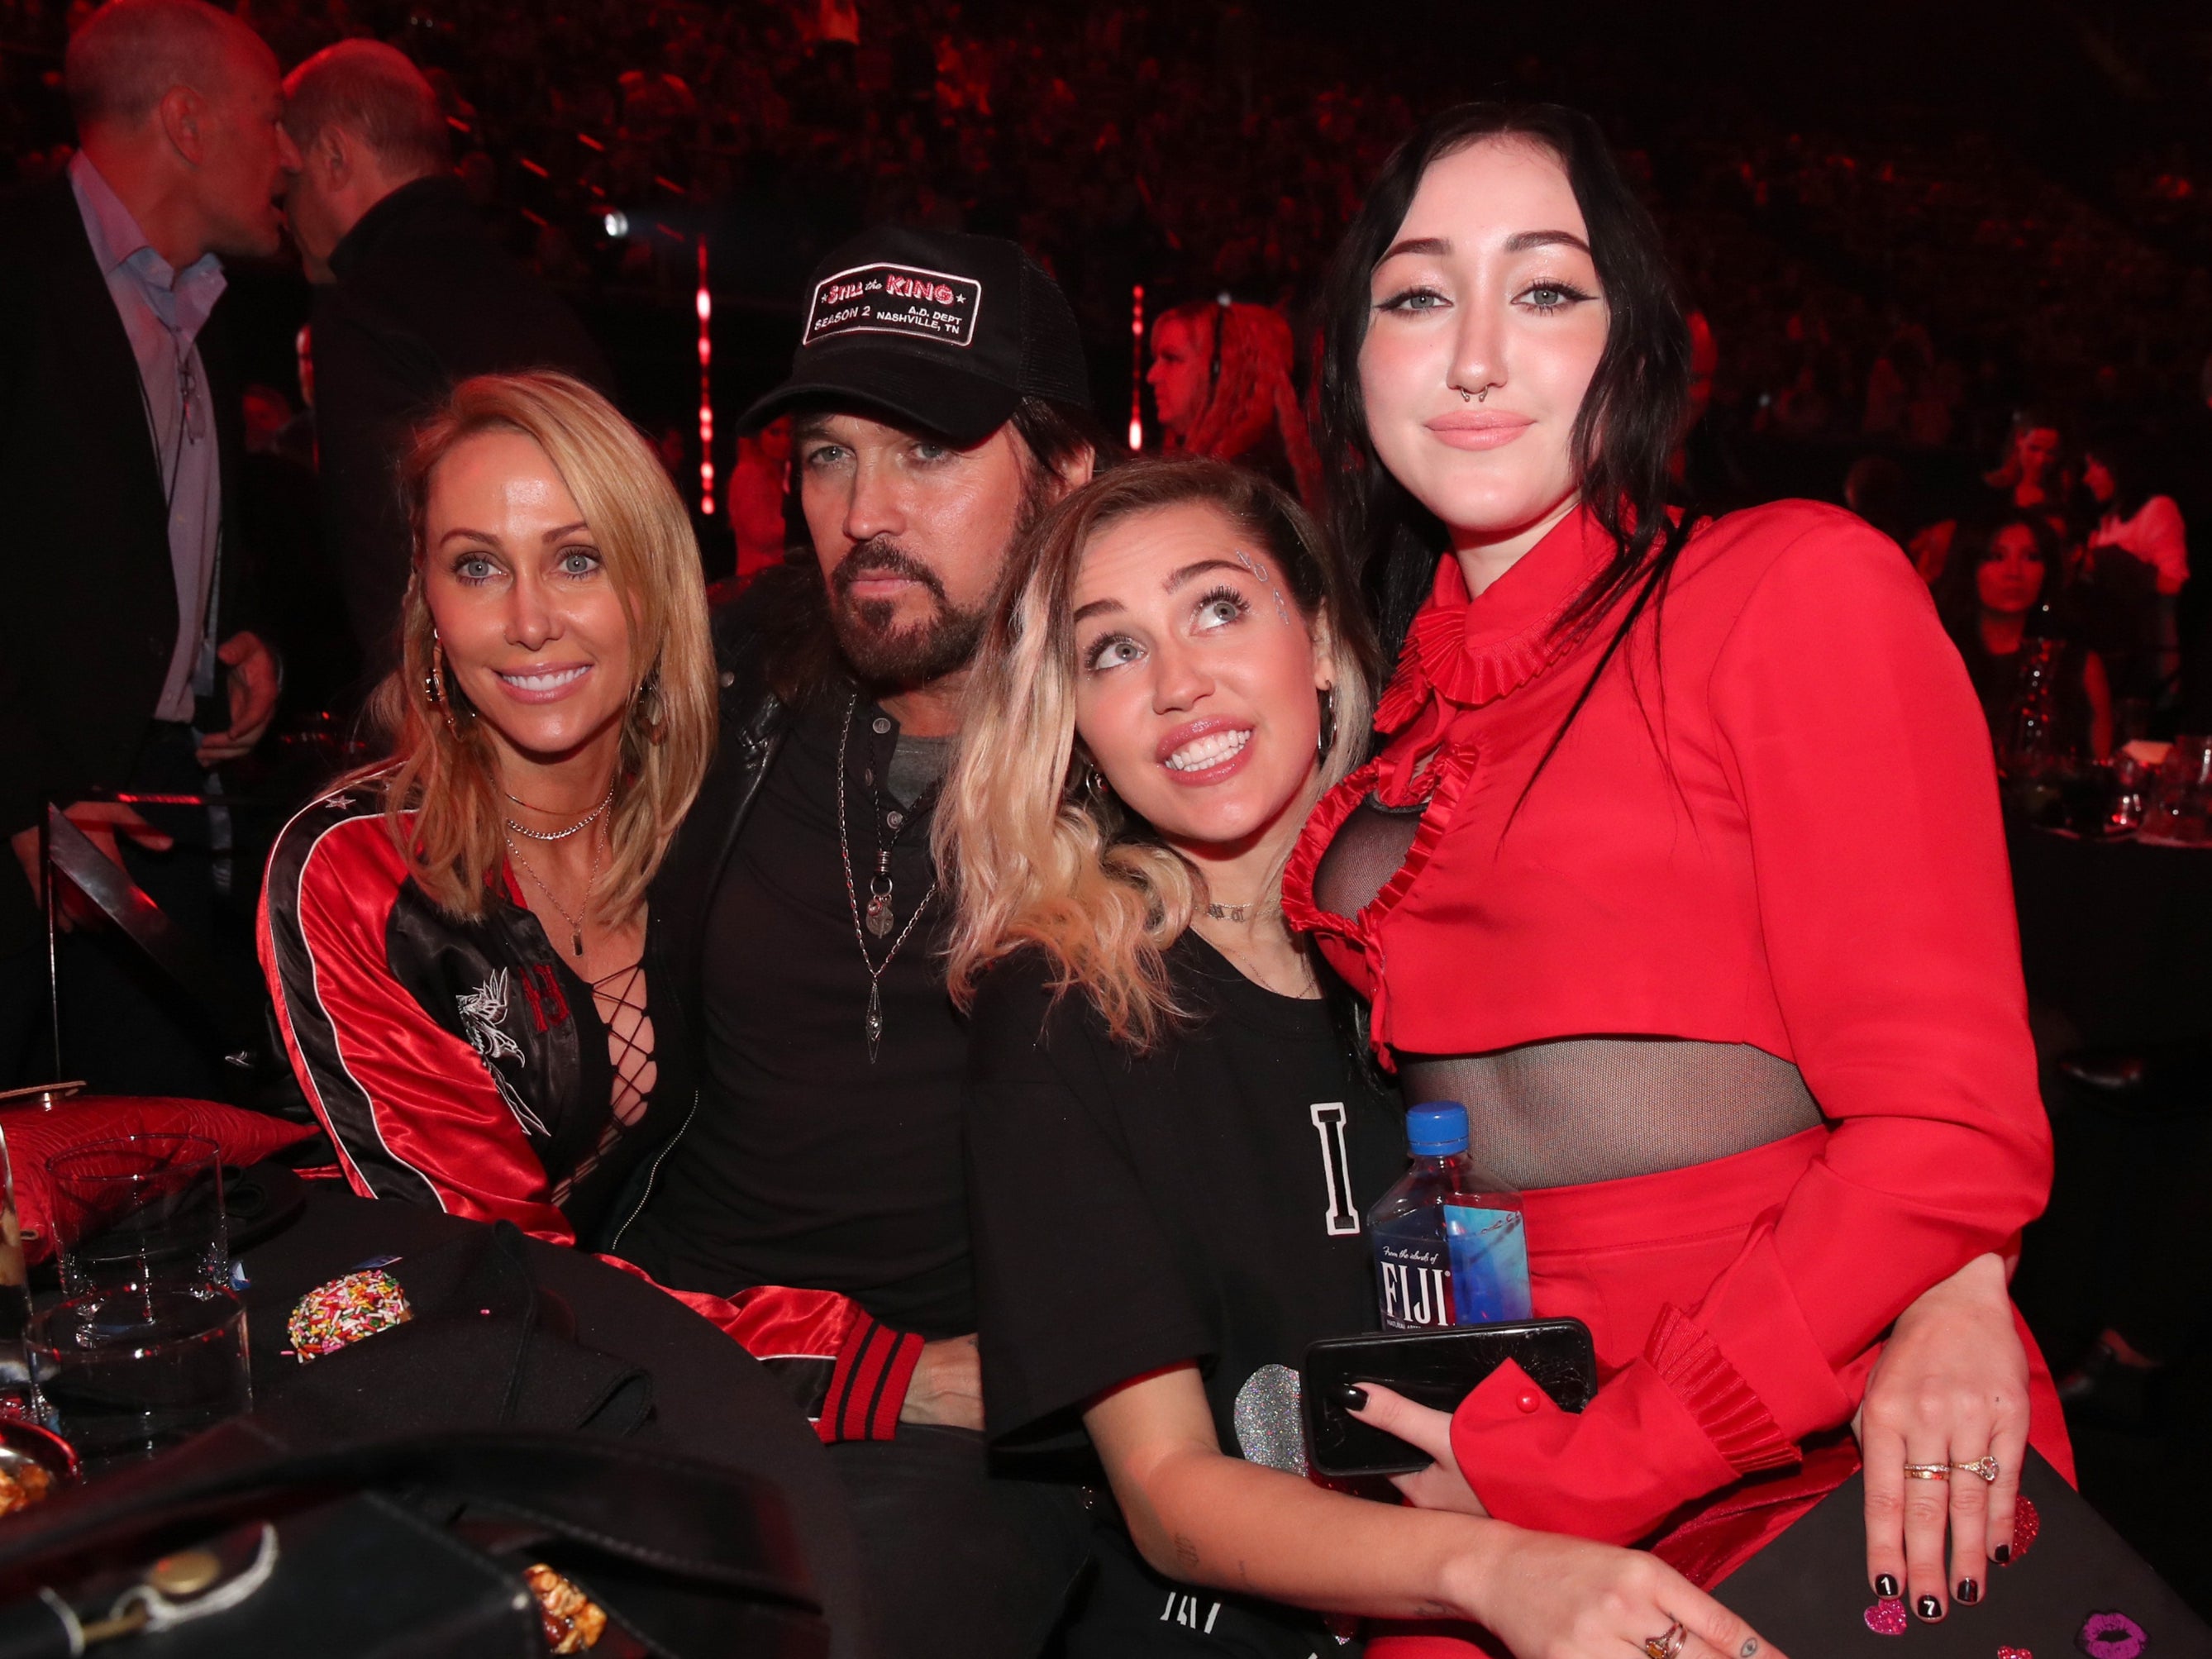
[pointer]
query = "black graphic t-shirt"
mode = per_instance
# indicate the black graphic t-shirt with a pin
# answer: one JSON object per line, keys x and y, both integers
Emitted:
{"x": 1206, "y": 1201}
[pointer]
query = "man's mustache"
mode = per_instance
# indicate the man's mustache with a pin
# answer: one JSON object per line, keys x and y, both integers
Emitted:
{"x": 881, "y": 557}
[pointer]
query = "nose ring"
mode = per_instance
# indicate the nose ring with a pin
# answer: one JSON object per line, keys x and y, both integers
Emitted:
{"x": 1465, "y": 396}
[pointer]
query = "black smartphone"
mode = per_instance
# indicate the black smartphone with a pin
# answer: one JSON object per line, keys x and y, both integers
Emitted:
{"x": 1437, "y": 1368}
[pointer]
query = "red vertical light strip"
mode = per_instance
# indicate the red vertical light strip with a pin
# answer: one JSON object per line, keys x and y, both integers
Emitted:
{"x": 1137, "y": 369}
{"x": 706, "y": 308}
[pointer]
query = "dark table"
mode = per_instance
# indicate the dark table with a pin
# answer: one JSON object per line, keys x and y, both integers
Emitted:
{"x": 712, "y": 1401}
{"x": 2117, "y": 936}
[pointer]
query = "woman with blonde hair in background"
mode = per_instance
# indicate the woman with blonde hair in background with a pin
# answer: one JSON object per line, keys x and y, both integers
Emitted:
{"x": 1221, "y": 382}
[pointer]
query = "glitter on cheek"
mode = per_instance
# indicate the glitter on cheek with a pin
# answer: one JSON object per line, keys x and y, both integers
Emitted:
{"x": 1886, "y": 1617}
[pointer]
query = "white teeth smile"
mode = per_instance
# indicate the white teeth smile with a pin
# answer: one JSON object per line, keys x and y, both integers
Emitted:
{"x": 1211, "y": 750}
{"x": 547, "y": 682}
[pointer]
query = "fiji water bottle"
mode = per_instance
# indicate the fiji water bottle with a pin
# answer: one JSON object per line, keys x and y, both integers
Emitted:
{"x": 1412, "y": 1256}
{"x": 1449, "y": 1248}
{"x": 1489, "y": 1249}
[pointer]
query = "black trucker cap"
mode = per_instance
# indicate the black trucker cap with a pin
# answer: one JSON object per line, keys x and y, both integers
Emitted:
{"x": 933, "y": 329}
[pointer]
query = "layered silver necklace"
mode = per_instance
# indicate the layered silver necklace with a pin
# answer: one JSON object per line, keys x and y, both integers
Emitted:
{"x": 878, "y": 919}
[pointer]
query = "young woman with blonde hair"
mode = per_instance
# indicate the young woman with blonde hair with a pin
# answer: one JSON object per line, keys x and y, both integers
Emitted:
{"x": 457, "y": 939}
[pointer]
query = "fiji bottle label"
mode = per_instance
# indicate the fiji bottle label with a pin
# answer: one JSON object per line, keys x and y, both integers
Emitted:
{"x": 1489, "y": 1264}
{"x": 1416, "y": 1281}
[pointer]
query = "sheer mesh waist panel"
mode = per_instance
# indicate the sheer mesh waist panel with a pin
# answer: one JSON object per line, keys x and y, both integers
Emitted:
{"x": 1600, "y": 1108}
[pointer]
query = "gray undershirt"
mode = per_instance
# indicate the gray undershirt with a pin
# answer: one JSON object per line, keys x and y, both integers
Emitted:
{"x": 916, "y": 764}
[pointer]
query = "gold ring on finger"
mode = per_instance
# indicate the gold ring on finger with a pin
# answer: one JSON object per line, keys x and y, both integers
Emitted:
{"x": 1986, "y": 1466}
{"x": 1929, "y": 1471}
{"x": 1669, "y": 1645}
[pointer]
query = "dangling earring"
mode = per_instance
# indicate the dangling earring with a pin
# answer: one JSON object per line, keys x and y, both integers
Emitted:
{"x": 645, "y": 706}
{"x": 435, "y": 685}
{"x": 1327, "y": 739}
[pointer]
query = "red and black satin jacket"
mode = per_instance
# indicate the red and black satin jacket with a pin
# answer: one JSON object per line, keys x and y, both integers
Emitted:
{"x": 464, "y": 1066}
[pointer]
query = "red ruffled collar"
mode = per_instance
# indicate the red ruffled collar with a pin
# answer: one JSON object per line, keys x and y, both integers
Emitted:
{"x": 1474, "y": 651}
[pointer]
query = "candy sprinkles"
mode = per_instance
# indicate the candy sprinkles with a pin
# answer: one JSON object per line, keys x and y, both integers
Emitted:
{"x": 330, "y": 1316}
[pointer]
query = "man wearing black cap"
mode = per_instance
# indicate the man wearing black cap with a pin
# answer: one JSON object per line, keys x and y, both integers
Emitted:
{"x": 938, "y": 404}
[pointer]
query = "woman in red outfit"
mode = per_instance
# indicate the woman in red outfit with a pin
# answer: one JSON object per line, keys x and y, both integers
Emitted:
{"x": 1681, "y": 866}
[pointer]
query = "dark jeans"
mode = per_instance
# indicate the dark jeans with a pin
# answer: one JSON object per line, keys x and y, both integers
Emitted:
{"x": 126, "y": 1029}
{"x": 957, "y": 1564}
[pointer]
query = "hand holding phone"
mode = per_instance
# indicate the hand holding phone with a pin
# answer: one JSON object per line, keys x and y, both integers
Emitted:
{"x": 1438, "y": 1369}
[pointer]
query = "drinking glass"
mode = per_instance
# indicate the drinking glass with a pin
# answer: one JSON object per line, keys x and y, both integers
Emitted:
{"x": 2181, "y": 803}
{"x": 148, "y": 1344}
{"x": 18, "y": 1398}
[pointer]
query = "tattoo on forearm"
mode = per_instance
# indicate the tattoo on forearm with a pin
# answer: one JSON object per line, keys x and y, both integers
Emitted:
{"x": 1749, "y": 1648}
{"x": 1186, "y": 1552}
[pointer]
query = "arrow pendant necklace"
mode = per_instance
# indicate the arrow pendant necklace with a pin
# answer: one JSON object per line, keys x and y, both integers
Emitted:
{"x": 879, "y": 917}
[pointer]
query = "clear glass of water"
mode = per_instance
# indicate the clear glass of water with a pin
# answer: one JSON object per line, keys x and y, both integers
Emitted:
{"x": 18, "y": 1398}
{"x": 148, "y": 1343}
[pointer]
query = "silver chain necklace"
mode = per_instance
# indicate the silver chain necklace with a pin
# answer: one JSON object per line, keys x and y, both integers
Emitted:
{"x": 575, "y": 928}
{"x": 577, "y": 828}
{"x": 879, "y": 898}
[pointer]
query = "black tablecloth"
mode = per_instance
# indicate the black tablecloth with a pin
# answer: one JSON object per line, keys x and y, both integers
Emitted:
{"x": 711, "y": 1400}
{"x": 2117, "y": 936}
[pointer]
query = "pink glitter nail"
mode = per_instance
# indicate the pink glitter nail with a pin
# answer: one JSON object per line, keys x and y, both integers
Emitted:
{"x": 1886, "y": 1617}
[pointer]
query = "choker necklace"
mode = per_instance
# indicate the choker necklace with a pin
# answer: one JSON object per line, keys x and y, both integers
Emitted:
{"x": 577, "y": 828}
{"x": 879, "y": 898}
{"x": 1230, "y": 912}
{"x": 575, "y": 928}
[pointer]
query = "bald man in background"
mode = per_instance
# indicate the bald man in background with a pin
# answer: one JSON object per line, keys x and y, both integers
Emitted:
{"x": 128, "y": 659}
{"x": 414, "y": 296}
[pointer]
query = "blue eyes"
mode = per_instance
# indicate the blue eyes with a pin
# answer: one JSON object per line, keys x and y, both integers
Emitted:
{"x": 1214, "y": 611}
{"x": 475, "y": 569}
{"x": 1543, "y": 298}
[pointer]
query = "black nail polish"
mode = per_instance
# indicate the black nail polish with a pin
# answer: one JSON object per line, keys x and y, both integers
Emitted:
{"x": 1351, "y": 1396}
{"x": 2001, "y": 1555}
{"x": 1969, "y": 1592}
{"x": 1929, "y": 1607}
{"x": 1885, "y": 1587}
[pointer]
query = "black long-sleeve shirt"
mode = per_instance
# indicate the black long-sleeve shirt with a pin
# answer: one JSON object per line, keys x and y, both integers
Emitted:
{"x": 424, "y": 298}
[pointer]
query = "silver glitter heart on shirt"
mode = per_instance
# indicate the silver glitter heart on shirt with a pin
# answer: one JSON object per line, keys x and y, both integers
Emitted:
{"x": 1270, "y": 1428}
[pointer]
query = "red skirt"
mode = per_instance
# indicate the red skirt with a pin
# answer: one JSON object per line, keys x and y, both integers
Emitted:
{"x": 1614, "y": 1254}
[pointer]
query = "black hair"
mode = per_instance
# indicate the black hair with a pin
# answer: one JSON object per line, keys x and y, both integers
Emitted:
{"x": 2120, "y": 453}
{"x": 1959, "y": 595}
{"x": 791, "y": 608}
{"x": 1631, "y": 418}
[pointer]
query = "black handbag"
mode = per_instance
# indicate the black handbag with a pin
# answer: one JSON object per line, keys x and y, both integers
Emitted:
{"x": 414, "y": 1547}
{"x": 2079, "y": 1590}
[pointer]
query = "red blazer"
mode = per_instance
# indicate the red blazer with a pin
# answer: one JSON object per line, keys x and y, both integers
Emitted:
{"x": 1774, "y": 822}
{"x": 442, "y": 1057}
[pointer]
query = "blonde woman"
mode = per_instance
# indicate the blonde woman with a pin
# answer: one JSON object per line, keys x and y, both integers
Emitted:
{"x": 457, "y": 941}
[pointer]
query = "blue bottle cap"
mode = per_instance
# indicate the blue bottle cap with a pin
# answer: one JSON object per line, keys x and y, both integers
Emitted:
{"x": 1438, "y": 1129}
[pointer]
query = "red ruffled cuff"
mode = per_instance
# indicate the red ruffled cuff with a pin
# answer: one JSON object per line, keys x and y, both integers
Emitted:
{"x": 1692, "y": 1365}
